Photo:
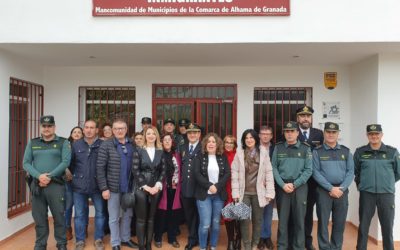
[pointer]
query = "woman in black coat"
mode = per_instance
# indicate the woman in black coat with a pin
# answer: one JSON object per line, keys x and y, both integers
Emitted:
{"x": 212, "y": 171}
{"x": 148, "y": 177}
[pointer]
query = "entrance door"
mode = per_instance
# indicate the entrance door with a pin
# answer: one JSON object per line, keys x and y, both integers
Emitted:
{"x": 213, "y": 106}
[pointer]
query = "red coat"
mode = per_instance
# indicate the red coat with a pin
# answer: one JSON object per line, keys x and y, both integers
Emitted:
{"x": 230, "y": 155}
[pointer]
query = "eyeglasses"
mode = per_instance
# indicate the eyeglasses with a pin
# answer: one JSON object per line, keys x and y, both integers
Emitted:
{"x": 124, "y": 149}
{"x": 119, "y": 129}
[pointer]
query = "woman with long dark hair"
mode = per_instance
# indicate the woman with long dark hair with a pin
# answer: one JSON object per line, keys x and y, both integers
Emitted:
{"x": 170, "y": 202}
{"x": 252, "y": 183}
{"x": 148, "y": 177}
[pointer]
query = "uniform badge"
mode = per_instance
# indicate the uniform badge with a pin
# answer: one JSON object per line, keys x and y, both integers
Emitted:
{"x": 305, "y": 109}
{"x": 183, "y": 153}
{"x": 289, "y": 125}
{"x": 55, "y": 145}
{"x": 372, "y": 127}
{"x": 343, "y": 157}
{"x": 46, "y": 119}
{"x": 384, "y": 156}
{"x": 332, "y": 126}
{"x": 299, "y": 154}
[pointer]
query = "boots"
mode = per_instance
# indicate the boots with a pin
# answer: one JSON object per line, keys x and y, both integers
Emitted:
{"x": 140, "y": 234}
{"x": 150, "y": 226}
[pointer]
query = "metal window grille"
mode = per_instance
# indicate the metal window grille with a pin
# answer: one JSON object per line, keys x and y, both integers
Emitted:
{"x": 26, "y": 107}
{"x": 104, "y": 104}
{"x": 274, "y": 106}
{"x": 212, "y": 106}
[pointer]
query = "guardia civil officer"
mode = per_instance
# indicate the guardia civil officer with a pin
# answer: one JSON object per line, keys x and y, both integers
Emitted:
{"x": 45, "y": 159}
{"x": 182, "y": 124}
{"x": 292, "y": 166}
{"x": 377, "y": 169}
{"x": 333, "y": 170}
{"x": 314, "y": 138}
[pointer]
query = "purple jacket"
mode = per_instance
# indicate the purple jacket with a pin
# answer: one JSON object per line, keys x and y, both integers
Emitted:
{"x": 177, "y": 202}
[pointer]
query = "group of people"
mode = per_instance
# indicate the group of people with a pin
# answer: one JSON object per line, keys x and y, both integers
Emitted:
{"x": 171, "y": 173}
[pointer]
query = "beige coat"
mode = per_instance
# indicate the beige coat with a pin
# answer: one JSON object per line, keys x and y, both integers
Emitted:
{"x": 265, "y": 178}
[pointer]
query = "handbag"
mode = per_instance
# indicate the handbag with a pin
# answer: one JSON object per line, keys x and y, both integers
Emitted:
{"x": 236, "y": 211}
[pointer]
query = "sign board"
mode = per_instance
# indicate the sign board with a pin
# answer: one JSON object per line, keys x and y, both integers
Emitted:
{"x": 191, "y": 8}
{"x": 330, "y": 79}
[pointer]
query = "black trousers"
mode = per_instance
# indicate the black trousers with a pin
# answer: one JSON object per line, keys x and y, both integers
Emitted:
{"x": 192, "y": 219}
{"x": 338, "y": 207}
{"x": 385, "y": 204}
{"x": 167, "y": 219}
{"x": 145, "y": 209}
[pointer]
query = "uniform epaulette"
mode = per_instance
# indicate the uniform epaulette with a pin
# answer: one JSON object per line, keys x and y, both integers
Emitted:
{"x": 343, "y": 146}
{"x": 318, "y": 147}
{"x": 391, "y": 147}
{"x": 305, "y": 143}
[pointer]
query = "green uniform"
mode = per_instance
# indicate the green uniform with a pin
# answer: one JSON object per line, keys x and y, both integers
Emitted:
{"x": 51, "y": 157}
{"x": 291, "y": 164}
{"x": 376, "y": 172}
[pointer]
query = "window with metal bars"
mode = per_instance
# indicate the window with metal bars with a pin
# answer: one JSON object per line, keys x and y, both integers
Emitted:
{"x": 104, "y": 104}
{"x": 26, "y": 108}
{"x": 274, "y": 106}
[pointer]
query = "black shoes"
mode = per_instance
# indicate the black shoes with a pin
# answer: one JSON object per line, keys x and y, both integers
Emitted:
{"x": 311, "y": 247}
{"x": 268, "y": 243}
{"x": 130, "y": 244}
{"x": 190, "y": 246}
{"x": 116, "y": 248}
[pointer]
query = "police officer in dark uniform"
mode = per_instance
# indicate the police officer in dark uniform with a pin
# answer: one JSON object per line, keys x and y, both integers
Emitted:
{"x": 169, "y": 127}
{"x": 189, "y": 152}
{"x": 377, "y": 169}
{"x": 333, "y": 170}
{"x": 45, "y": 160}
{"x": 314, "y": 138}
{"x": 292, "y": 166}
{"x": 146, "y": 122}
{"x": 182, "y": 124}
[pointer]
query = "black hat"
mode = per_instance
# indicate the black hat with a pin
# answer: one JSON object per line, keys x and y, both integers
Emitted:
{"x": 169, "y": 120}
{"x": 290, "y": 126}
{"x": 146, "y": 120}
{"x": 374, "y": 128}
{"x": 193, "y": 127}
{"x": 47, "y": 120}
{"x": 183, "y": 122}
{"x": 331, "y": 126}
{"x": 306, "y": 110}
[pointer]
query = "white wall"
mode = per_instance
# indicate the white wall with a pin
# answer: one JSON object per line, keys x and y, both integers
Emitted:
{"x": 310, "y": 21}
{"x": 66, "y": 80}
{"x": 11, "y": 66}
{"x": 364, "y": 102}
{"x": 388, "y": 115}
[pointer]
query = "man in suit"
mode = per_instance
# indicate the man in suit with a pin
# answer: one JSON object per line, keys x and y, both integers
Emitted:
{"x": 189, "y": 151}
{"x": 314, "y": 137}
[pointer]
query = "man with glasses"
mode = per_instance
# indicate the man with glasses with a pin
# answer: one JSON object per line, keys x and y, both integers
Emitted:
{"x": 114, "y": 163}
{"x": 377, "y": 169}
{"x": 84, "y": 185}
{"x": 266, "y": 136}
{"x": 45, "y": 160}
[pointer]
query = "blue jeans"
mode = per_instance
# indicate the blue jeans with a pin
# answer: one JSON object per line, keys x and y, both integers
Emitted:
{"x": 267, "y": 220}
{"x": 81, "y": 215}
{"x": 69, "y": 202}
{"x": 210, "y": 215}
{"x": 120, "y": 231}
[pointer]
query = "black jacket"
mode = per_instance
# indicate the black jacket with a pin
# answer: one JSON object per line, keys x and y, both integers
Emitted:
{"x": 147, "y": 172}
{"x": 188, "y": 181}
{"x": 109, "y": 165}
{"x": 201, "y": 176}
{"x": 315, "y": 138}
{"x": 83, "y": 166}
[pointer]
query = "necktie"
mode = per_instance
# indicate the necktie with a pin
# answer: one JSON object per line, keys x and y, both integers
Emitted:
{"x": 191, "y": 149}
{"x": 305, "y": 135}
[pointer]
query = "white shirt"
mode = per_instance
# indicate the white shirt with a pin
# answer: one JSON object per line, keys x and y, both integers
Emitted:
{"x": 213, "y": 169}
{"x": 151, "y": 152}
{"x": 194, "y": 145}
{"x": 307, "y": 130}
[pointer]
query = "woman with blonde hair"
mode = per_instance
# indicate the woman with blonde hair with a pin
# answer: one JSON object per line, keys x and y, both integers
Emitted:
{"x": 148, "y": 177}
{"x": 212, "y": 171}
{"x": 252, "y": 184}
